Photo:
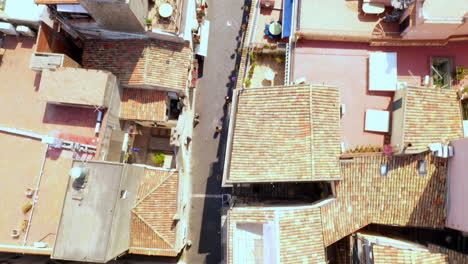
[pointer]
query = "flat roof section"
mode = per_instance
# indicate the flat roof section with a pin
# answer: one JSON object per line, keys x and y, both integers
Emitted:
{"x": 22, "y": 107}
{"x": 21, "y": 160}
{"x": 345, "y": 64}
{"x": 77, "y": 86}
{"x": 95, "y": 220}
{"x": 340, "y": 19}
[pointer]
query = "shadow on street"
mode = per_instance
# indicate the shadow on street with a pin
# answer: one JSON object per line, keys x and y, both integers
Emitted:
{"x": 210, "y": 235}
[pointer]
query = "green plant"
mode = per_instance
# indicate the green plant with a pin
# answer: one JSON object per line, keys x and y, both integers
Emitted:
{"x": 279, "y": 59}
{"x": 460, "y": 73}
{"x": 248, "y": 82}
{"x": 158, "y": 158}
{"x": 149, "y": 21}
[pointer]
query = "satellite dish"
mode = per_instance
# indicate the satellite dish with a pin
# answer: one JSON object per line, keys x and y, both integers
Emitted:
{"x": 77, "y": 173}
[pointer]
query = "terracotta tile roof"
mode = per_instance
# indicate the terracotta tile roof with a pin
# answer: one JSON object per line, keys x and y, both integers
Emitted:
{"x": 454, "y": 257}
{"x": 402, "y": 198}
{"x": 300, "y": 236}
{"x": 431, "y": 116}
{"x": 152, "y": 228}
{"x": 388, "y": 254}
{"x": 54, "y": 2}
{"x": 141, "y": 63}
{"x": 143, "y": 105}
{"x": 286, "y": 133}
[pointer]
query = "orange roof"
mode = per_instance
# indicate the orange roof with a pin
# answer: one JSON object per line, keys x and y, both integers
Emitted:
{"x": 402, "y": 198}
{"x": 453, "y": 256}
{"x": 388, "y": 254}
{"x": 153, "y": 230}
{"x": 54, "y": 2}
{"x": 432, "y": 115}
{"x": 300, "y": 237}
{"x": 141, "y": 63}
{"x": 285, "y": 133}
{"x": 143, "y": 105}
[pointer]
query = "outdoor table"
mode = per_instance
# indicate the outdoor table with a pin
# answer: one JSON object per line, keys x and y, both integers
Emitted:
{"x": 165, "y": 10}
{"x": 275, "y": 28}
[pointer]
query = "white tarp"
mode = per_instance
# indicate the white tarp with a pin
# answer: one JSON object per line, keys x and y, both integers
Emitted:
{"x": 25, "y": 10}
{"x": 383, "y": 71}
{"x": 7, "y": 28}
{"x": 202, "y": 48}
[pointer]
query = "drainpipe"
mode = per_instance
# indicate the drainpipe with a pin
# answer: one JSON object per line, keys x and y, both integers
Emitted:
{"x": 36, "y": 191}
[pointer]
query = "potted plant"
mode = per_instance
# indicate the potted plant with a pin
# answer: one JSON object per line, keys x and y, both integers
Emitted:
{"x": 149, "y": 24}
{"x": 158, "y": 159}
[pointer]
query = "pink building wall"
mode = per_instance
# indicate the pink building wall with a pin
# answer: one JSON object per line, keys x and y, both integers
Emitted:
{"x": 457, "y": 215}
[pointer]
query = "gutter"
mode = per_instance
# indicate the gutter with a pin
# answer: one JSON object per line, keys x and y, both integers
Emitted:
{"x": 232, "y": 121}
{"x": 36, "y": 196}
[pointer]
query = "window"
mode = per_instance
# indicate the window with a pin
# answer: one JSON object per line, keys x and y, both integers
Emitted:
{"x": 123, "y": 194}
{"x": 404, "y": 24}
{"x": 441, "y": 71}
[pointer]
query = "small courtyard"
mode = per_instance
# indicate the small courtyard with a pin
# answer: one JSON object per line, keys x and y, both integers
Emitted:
{"x": 151, "y": 146}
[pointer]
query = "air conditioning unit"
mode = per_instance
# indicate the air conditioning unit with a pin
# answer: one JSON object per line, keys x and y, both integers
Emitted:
{"x": 45, "y": 60}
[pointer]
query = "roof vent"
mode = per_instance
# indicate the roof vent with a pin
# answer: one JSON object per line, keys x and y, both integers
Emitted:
{"x": 422, "y": 167}
{"x": 383, "y": 170}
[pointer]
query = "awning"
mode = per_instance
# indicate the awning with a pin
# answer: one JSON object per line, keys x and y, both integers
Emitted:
{"x": 202, "y": 48}
{"x": 287, "y": 17}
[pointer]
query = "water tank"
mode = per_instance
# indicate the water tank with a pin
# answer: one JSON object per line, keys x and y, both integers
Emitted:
{"x": 77, "y": 172}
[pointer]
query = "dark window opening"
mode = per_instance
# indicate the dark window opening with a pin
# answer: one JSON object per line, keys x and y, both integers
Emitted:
{"x": 441, "y": 71}
{"x": 465, "y": 109}
{"x": 397, "y": 104}
{"x": 404, "y": 24}
{"x": 175, "y": 108}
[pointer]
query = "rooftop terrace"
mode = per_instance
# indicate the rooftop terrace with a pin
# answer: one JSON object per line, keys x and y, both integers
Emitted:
{"x": 24, "y": 108}
{"x": 345, "y": 65}
{"x": 16, "y": 179}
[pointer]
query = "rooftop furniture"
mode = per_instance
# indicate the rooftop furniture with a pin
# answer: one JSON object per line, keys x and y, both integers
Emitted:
{"x": 165, "y": 10}
{"x": 275, "y": 28}
{"x": 268, "y": 32}
{"x": 377, "y": 120}
{"x": 369, "y": 7}
{"x": 270, "y": 76}
{"x": 383, "y": 71}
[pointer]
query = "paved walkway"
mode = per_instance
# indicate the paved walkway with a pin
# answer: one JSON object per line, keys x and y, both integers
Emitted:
{"x": 208, "y": 147}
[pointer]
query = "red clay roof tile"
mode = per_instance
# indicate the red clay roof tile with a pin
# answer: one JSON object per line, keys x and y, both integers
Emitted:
{"x": 286, "y": 133}
{"x": 152, "y": 227}
{"x": 143, "y": 105}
